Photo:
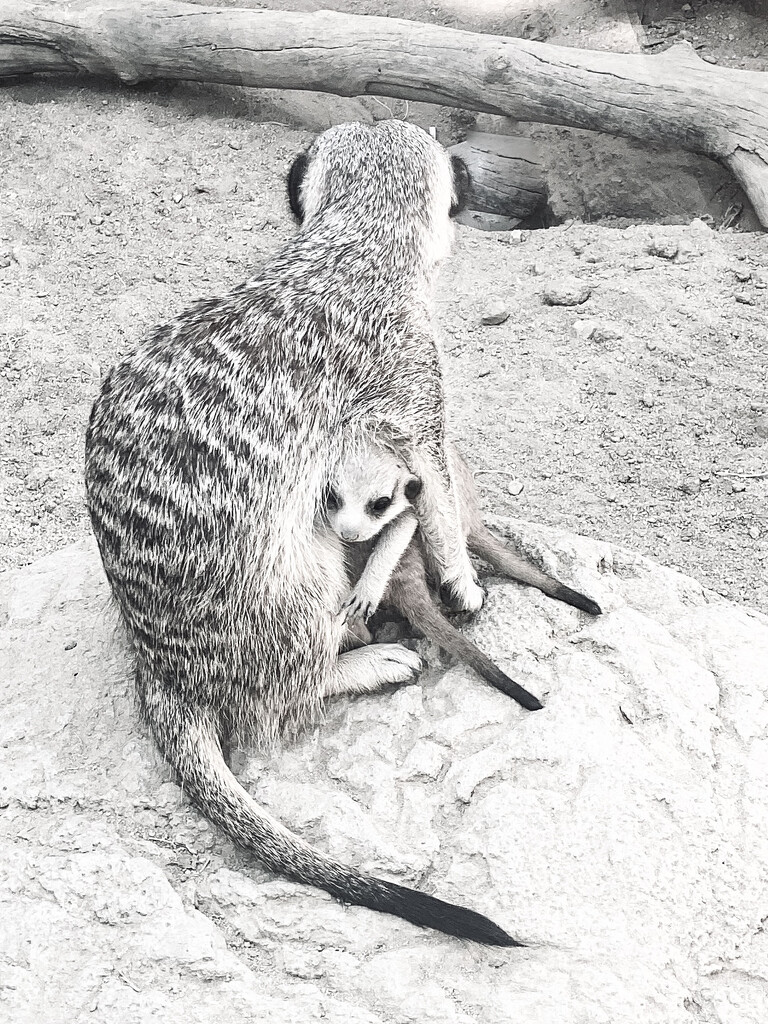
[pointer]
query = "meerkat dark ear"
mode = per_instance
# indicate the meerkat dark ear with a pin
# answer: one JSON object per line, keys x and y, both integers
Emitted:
{"x": 295, "y": 181}
{"x": 412, "y": 488}
{"x": 461, "y": 184}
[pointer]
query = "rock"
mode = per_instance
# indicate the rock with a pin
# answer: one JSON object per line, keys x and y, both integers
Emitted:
{"x": 494, "y": 313}
{"x": 606, "y": 333}
{"x": 690, "y": 485}
{"x": 483, "y": 221}
{"x": 515, "y": 237}
{"x": 566, "y": 291}
{"x": 620, "y": 831}
{"x": 584, "y": 329}
{"x": 665, "y": 248}
{"x": 37, "y": 478}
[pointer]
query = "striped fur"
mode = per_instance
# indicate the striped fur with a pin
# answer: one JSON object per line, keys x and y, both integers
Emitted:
{"x": 207, "y": 453}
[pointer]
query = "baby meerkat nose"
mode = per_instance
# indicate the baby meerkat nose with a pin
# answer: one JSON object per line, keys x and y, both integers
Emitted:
{"x": 349, "y": 535}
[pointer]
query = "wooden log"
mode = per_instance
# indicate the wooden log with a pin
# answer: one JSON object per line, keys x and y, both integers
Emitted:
{"x": 507, "y": 178}
{"x": 672, "y": 98}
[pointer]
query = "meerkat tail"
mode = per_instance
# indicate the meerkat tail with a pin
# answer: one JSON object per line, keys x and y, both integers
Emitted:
{"x": 412, "y": 599}
{"x": 196, "y": 754}
{"x": 483, "y": 543}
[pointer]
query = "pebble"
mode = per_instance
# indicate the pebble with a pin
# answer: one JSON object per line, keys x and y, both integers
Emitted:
{"x": 691, "y": 485}
{"x": 604, "y": 333}
{"x": 494, "y": 313}
{"x": 760, "y": 278}
{"x": 70, "y": 645}
{"x": 158, "y": 275}
{"x": 647, "y": 400}
{"x": 665, "y": 248}
{"x": 177, "y": 197}
{"x": 754, "y": 532}
{"x": 515, "y": 487}
{"x": 37, "y": 478}
{"x": 744, "y": 299}
{"x": 743, "y": 275}
{"x": 737, "y": 487}
{"x": 515, "y": 237}
{"x": 584, "y": 329}
{"x": 96, "y": 219}
{"x": 567, "y": 291}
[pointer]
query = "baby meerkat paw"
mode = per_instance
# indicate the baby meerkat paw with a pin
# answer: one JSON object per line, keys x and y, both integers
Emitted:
{"x": 462, "y": 595}
{"x": 359, "y": 605}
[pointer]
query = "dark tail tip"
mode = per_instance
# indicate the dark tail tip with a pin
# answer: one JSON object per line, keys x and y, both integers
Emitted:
{"x": 449, "y": 918}
{"x": 492, "y": 674}
{"x": 577, "y": 600}
{"x": 515, "y": 691}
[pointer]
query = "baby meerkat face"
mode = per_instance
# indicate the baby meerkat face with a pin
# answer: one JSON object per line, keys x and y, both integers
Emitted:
{"x": 370, "y": 489}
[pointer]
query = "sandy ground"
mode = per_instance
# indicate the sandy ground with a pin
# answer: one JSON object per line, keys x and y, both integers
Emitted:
{"x": 640, "y": 416}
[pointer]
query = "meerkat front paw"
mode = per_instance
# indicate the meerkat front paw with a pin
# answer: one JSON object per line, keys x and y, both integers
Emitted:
{"x": 463, "y": 595}
{"x": 395, "y": 663}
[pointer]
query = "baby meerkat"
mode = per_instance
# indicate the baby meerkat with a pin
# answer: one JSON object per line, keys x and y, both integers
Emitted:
{"x": 370, "y": 497}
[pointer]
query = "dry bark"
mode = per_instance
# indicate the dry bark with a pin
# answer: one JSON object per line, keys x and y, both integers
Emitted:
{"x": 507, "y": 176}
{"x": 673, "y": 98}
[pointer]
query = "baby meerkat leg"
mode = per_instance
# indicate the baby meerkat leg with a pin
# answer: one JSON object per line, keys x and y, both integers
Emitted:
{"x": 365, "y": 597}
{"x": 444, "y": 539}
{"x": 370, "y": 669}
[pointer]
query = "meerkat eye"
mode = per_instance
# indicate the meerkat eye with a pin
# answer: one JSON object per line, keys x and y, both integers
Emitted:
{"x": 332, "y": 501}
{"x": 380, "y": 505}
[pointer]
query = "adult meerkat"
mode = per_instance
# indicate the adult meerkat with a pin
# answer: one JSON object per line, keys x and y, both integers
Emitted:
{"x": 370, "y": 499}
{"x": 207, "y": 455}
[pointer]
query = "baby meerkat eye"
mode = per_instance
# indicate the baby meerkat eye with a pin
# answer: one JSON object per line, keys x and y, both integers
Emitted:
{"x": 380, "y": 505}
{"x": 332, "y": 500}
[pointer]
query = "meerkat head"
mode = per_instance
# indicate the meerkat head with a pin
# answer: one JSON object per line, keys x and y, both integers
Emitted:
{"x": 389, "y": 177}
{"x": 370, "y": 488}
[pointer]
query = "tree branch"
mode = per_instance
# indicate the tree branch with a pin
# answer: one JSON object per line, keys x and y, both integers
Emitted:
{"x": 673, "y": 98}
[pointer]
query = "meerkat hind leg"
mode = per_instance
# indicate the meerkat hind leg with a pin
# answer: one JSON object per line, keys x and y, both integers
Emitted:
{"x": 508, "y": 563}
{"x": 373, "y": 668}
{"x": 499, "y": 556}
